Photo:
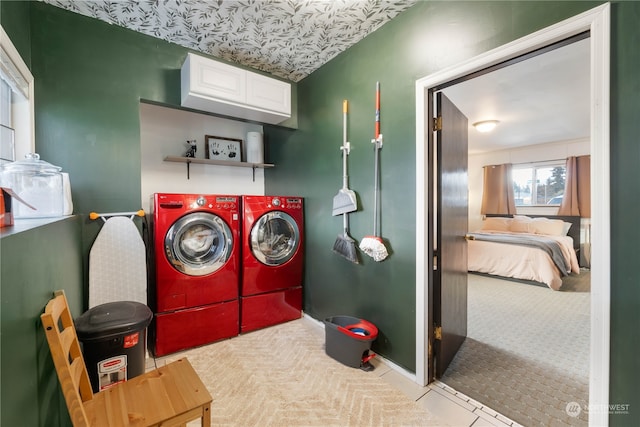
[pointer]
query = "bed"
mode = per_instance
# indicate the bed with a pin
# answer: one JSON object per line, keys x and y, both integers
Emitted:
{"x": 530, "y": 248}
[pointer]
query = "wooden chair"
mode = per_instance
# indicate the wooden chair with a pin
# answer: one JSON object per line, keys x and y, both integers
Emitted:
{"x": 168, "y": 396}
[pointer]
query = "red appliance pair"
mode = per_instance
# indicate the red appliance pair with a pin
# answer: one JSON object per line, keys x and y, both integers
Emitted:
{"x": 200, "y": 259}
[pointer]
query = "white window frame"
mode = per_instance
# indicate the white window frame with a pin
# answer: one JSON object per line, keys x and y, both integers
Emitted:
{"x": 23, "y": 110}
{"x": 534, "y": 184}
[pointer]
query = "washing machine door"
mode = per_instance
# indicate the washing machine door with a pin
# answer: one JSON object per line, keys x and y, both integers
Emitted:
{"x": 198, "y": 243}
{"x": 275, "y": 238}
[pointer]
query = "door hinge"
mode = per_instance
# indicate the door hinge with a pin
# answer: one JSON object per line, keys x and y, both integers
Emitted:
{"x": 437, "y": 332}
{"x": 437, "y": 123}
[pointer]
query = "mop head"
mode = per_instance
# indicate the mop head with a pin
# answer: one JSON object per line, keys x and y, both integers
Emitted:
{"x": 346, "y": 247}
{"x": 374, "y": 247}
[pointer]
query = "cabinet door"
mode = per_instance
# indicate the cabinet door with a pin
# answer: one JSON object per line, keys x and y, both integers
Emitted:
{"x": 268, "y": 94}
{"x": 215, "y": 79}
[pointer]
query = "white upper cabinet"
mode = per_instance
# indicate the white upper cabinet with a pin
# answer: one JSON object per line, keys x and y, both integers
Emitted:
{"x": 205, "y": 77}
{"x": 270, "y": 94}
{"x": 213, "y": 86}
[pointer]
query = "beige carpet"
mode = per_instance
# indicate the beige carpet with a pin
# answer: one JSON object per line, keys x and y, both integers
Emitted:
{"x": 281, "y": 376}
{"x": 527, "y": 351}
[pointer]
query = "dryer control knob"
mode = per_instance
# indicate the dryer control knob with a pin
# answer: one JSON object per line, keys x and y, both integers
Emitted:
{"x": 201, "y": 201}
{"x": 276, "y": 202}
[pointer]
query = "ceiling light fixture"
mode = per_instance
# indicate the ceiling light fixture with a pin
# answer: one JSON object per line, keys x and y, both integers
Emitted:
{"x": 485, "y": 125}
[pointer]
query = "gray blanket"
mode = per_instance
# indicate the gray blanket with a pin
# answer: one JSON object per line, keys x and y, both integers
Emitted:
{"x": 546, "y": 244}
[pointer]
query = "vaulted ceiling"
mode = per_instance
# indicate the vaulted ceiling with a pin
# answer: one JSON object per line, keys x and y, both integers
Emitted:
{"x": 285, "y": 38}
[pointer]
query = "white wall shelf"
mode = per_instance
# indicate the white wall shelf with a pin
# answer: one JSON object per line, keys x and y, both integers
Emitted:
{"x": 189, "y": 160}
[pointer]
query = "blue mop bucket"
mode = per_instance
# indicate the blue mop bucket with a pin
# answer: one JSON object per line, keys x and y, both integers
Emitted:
{"x": 348, "y": 340}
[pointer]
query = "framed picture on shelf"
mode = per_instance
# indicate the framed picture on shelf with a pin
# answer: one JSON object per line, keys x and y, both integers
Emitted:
{"x": 221, "y": 148}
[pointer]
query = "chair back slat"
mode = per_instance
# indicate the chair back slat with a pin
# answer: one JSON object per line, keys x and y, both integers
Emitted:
{"x": 67, "y": 357}
{"x": 66, "y": 340}
{"x": 76, "y": 368}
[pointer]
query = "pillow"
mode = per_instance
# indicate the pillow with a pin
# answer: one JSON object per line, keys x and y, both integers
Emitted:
{"x": 566, "y": 228}
{"x": 496, "y": 224}
{"x": 521, "y": 224}
{"x": 546, "y": 226}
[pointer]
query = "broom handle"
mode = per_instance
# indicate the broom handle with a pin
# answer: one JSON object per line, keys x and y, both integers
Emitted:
{"x": 345, "y": 146}
{"x": 345, "y": 225}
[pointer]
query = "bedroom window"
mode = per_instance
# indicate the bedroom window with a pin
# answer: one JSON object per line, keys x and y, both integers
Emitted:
{"x": 539, "y": 185}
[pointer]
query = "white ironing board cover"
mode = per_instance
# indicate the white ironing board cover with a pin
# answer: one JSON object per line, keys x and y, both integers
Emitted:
{"x": 117, "y": 264}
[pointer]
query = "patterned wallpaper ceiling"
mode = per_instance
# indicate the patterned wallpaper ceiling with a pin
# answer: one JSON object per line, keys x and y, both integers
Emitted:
{"x": 285, "y": 38}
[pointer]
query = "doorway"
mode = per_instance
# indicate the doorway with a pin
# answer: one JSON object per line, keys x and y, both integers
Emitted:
{"x": 596, "y": 21}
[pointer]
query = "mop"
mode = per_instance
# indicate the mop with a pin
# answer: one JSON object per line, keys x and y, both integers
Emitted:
{"x": 373, "y": 245}
{"x": 344, "y": 244}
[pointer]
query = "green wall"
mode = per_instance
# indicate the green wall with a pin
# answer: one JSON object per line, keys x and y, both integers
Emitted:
{"x": 90, "y": 76}
{"x": 17, "y": 26}
{"x": 33, "y": 264}
{"x": 425, "y": 39}
{"x": 429, "y": 37}
{"x": 625, "y": 182}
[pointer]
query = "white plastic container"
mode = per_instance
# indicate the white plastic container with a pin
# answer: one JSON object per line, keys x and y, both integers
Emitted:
{"x": 255, "y": 147}
{"x": 38, "y": 183}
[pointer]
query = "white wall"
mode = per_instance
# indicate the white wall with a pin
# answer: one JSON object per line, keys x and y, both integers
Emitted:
{"x": 528, "y": 154}
{"x": 164, "y": 132}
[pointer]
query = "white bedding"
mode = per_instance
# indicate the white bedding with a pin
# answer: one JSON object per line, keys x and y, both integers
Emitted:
{"x": 520, "y": 262}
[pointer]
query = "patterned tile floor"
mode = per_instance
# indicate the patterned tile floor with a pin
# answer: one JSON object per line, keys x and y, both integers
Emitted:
{"x": 445, "y": 403}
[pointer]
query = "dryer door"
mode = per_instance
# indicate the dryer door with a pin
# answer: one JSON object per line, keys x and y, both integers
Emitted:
{"x": 275, "y": 238}
{"x": 198, "y": 244}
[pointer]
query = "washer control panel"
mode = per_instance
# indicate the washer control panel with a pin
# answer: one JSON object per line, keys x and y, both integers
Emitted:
{"x": 286, "y": 203}
{"x": 229, "y": 203}
{"x": 226, "y": 202}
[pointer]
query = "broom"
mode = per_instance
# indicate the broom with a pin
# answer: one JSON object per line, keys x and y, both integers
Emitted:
{"x": 373, "y": 245}
{"x": 344, "y": 244}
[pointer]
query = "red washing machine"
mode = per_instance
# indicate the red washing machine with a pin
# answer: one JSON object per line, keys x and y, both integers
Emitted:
{"x": 196, "y": 242}
{"x": 272, "y": 261}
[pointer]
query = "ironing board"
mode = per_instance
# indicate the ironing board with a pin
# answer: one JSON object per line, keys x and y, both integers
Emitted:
{"x": 117, "y": 264}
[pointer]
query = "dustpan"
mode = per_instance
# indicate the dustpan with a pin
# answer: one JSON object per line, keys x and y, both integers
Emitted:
{"x": 344, "y": 202}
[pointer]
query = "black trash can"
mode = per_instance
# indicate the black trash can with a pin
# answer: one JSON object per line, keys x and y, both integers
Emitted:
{"x": 348, "y": 340}
{"x": 114, "y": 341}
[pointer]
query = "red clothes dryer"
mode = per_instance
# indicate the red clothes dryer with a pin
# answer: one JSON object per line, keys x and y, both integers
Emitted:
{"x": 196, "y": 240}
{"x": 272, "y": 261}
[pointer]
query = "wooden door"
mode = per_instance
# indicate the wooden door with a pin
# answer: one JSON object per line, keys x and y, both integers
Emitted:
{"x": 451, "y": 226}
